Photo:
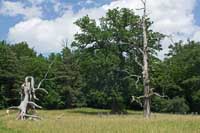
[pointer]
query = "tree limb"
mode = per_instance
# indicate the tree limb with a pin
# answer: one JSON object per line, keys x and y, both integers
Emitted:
{"x": 143, "y": 1}
{"x": 141, "y": 51}
{"x": 151, "y": 93}
{"x": 13, "y": 107}
{"x": 140, "y": 9}
{"x": 171, "y": 38}
{"x": 157, "y": 94}
{"x": 59, "y": 77}
{"x": 42, "y": 89}
{"x": 136, "y": 60}
{"x": 137, "y": 100}
{"x": 34, "y": 104}
{"x": 45, "y": 76}
{"x": 33, "y": 116}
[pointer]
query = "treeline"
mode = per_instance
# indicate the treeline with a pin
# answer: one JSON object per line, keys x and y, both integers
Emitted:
{"x": 103, "y": 71}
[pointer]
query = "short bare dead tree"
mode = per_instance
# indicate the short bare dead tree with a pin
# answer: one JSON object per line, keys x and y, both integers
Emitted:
{"x": 28, "y": 96}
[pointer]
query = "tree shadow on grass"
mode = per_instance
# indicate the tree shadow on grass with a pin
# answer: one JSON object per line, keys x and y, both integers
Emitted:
{"x": 89, "y": 111}
{"x": 102, "y": 112}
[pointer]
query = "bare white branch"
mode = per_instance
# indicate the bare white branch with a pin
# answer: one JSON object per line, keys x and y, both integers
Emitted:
{"x": 139, "y": 8}
{"x": 170, "y": 38}
{"x": 33, "y": 116}
{"x": 42, "y": 89}
{"x": 137, "y": 100}
{"x": 157, "y": 94}
{"x": 13, "y": 107}
{"x": 46, "y": 74}
{"x": 143, "y": 1}
{"x": 136, "y": 60}
{"x": 141, "y": 51}
{"x": 152, "y": 93}
{"x": 34, "y": 105}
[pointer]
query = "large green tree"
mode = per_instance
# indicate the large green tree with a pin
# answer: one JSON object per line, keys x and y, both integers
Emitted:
{"x": 108, "y": 53}
{"x": 8, "y": 75}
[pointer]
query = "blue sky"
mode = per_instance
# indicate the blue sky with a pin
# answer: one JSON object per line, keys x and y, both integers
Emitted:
{"x": 197, "y": 12}
{"x": 44, "y": 24}
{"x": 7, "y": 21}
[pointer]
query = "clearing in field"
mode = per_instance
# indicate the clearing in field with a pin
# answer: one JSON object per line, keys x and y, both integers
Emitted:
{"x": 88, "y": 120}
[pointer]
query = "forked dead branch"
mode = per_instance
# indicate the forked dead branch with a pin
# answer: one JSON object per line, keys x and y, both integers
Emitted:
{"x": 28, "y": 98}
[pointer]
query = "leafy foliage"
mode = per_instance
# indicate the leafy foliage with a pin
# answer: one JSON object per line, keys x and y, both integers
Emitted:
{"x": 178, "y": 76}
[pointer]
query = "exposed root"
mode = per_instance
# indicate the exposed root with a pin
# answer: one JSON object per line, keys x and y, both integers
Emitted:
{"x": 13, "y": 107}
{"x": 33, "y": 116}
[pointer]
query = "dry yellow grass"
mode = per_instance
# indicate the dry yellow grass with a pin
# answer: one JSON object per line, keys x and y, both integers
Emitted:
{"x": 89, "y": 121}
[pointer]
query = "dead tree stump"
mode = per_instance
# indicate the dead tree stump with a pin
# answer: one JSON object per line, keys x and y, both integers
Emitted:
{"x": 27, "y": 99}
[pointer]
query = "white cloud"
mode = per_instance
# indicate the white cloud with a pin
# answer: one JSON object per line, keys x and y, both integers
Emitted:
{"x": 61, "y": 8}
{"x": 89, "y": 1}
{"x": 85, "y": 2}
{"x": 170, "y": 17}
{"x": 197, "y": 35}
{"x": 44, "y": 35}
{"x": 47, "y": 35}
{"x": 36, "y": 2}
{"x": 17, "y": 8}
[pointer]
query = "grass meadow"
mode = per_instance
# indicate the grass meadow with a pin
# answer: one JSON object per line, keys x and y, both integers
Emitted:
{"x": 86, "y": 120}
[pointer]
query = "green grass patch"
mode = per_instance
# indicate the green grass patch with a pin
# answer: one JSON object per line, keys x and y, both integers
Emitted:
{"x": 87, "y": 120}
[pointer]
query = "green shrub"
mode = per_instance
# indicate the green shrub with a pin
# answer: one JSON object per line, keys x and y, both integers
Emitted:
{"x": 176, "y": 105}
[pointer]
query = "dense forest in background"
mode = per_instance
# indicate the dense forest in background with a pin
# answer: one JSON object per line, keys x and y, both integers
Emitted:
{"x": 99, "y": 71}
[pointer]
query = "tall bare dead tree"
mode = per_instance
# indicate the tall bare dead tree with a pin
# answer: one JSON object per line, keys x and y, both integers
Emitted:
{"x": 148, "y": 92}
{"x": 146, "y": 80}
